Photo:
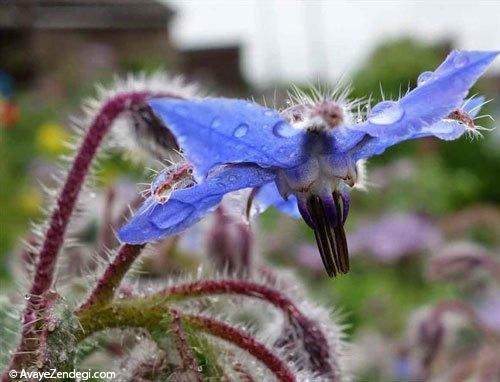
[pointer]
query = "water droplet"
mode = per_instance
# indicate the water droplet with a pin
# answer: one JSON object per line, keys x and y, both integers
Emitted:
{"x": 241, "y": 130}
{"x": 424, "y": 77}
{"x": 216, "y": 123}
{"x": 460, "y": 60}
{"x": 386, "y": 113}
{"x": 27, "y": 296}
{"x": 200, "y": 368}
{"x": 284, "y": 130}
{"x": 93, "y": 195}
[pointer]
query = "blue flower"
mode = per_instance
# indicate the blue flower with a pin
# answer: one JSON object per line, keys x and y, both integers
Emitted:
{"x": 302, "y": 160}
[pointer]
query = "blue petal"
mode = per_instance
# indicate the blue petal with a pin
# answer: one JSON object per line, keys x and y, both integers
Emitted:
{"x": 216, "y": 131}
{"x": 340, "y": 140}
{"x": 431, "y": 101}
{"x": 423, "y": 111}
{"x": 268, "y": 195}
{"x": 445, "y": 129}
{"x": 185, "y": 207}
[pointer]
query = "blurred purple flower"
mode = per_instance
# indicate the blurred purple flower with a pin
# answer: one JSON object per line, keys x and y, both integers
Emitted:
{"x": 395, "y": 235}
{"x": 489, "y": 312}
{"x": 307, "y": 257}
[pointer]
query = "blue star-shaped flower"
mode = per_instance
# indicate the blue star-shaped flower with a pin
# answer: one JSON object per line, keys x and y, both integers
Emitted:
{"x": 303, "y": 160}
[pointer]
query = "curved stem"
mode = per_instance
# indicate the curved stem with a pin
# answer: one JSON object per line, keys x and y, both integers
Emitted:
{"x": 240, "y": 287}
{"x": 311, "y": 334}
{"x": 65, "y": 204}
{"x": 139, "y": 313}
{"x": 244, "y": 341}
{"x": 68, "y": 195}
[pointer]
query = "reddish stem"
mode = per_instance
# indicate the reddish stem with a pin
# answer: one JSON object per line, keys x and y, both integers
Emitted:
{"x": 67, "y": 197}
{"x": 243, "y": 341}
{"x": 241, "y": 287}
{"x": 314, "y": 340}
{"x": 188, "y": 360}
{"x": 112, "y": 276}
{"x": 54, "y": 237}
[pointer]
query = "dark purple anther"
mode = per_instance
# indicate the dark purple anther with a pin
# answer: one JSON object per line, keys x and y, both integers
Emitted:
{"x": 327, "y": 217}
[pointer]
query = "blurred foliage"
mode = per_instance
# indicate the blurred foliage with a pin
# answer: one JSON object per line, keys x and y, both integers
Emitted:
{"x": 394, "y": 67}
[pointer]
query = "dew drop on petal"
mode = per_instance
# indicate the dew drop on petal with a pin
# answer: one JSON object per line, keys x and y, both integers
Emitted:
{"x": 424, "y": 77}
{"x": 284, "y": 130}
{"x": 386, "y": 113}
{"x": 460, "y": 60}
{"x": 241, "y": 130}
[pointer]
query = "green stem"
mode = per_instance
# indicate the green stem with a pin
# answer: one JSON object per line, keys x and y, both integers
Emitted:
{"x": 139, "y": 313}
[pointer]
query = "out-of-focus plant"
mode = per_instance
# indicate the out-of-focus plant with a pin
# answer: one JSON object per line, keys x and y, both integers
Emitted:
{"x": 452, "y": 338}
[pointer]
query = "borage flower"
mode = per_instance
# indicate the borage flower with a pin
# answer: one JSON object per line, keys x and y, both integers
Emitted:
{"x": 308, "y": 156}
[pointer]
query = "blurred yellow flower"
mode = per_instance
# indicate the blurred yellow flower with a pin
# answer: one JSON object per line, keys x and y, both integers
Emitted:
{"x": 29, "y": 199}
{"x": 51, "y": 137}
{"x": 108, "y": 175}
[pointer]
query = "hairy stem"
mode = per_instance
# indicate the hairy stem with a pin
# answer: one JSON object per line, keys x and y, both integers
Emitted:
{"x": 104, "y": 291}
{"x": 68, "y": 195}
{"x": 240, "y": 287}
{"x": 139, "y": 313}
{"x": 58, "y": 222}
{"x": 244, "y": 341}
{"x": 313, "y": 338}
{"x": 181, "y": 342}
